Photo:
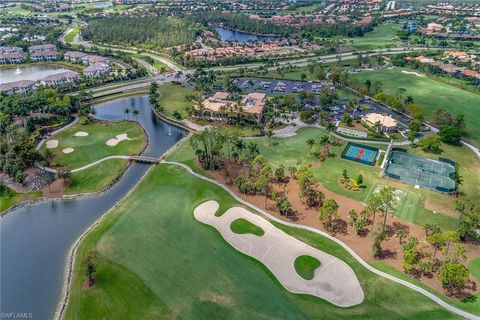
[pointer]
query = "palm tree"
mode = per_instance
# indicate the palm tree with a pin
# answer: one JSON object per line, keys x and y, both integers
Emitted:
{"x": 240, "y": 145}
{"x": 330, "y": 127}
{"x": 311, "y": 143}
{"x": 253, "y": 149}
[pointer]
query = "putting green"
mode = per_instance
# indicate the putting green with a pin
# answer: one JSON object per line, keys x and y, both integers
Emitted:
{"x": 156, "y": 262}
{"x": 306, "y": 266}
{"x": 92, "y": 147}
{"x": 242, "y": 226}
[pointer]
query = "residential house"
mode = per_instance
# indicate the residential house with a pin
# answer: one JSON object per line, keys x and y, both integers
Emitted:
{"x": 92, "y": 59}
{"x": 97, "y": 69}
{"x": 74, "y": 56}
{"x": 60, "y": 79}
{"x": 42, "y": 48}
{"x": 22, "y": 86}
{"x": 44, "y": 56}
{"x": 11, "y": 58}
{"x": 9, "y": 50}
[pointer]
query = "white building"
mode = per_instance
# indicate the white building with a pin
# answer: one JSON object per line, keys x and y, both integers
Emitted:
{"x": 44, "y": 56}
{"x": 97, "y": 70}
{"x": 92, "y": 59}
{"x": 22, "y": 86}
{"x": 74, "y": 56}
{"x": 60, "y": 79}
{"x": 42, "y": 48}
{"x": 11, "y": 58}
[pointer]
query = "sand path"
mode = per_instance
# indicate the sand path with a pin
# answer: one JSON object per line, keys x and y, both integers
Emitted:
{"x": 333, "y": 281}
{"x": 415, "y": 73}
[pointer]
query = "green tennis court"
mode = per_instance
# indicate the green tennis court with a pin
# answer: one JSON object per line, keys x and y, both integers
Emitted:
{"x": 423, "y": 172}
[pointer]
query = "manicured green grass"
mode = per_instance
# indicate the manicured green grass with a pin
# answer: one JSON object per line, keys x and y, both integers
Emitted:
{"x": 471, "y": 304}
{"x": 306, "y": 266}
{"x": 69, "y": 37}
{"x": 7, "y": 201}
{"x": 172, "y": 98}
{"x": 243, "y": 226}
{"x": 97, "y": 177}
{"x": 156, "y": 261}
{"x": 474, "y": 268}
{"x": 382, "y": 36}
{"x": 431, "y": 95}
{"x": 93, "y": 147}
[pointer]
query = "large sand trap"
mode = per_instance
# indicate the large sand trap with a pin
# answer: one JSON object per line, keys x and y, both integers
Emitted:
{"x": 51, "y": 144}
{"x": 81, "y": 134}
{"x": 118, "y": 138}
{"x": 68, "y": 150}
{"x": 333, "y": 281}
{"x": 415, "y": 73}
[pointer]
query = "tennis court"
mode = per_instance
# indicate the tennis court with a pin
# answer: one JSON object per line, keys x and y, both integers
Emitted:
{"x": 424, "y": 172}
{"x": 360, "y": 153}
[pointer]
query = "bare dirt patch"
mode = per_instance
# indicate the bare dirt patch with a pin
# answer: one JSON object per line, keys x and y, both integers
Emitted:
{"x": 302, "y": 214}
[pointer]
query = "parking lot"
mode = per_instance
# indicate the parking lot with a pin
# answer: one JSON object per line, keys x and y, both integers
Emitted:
{"x": 277, "y": 87}
{"x": 283, "y": 87}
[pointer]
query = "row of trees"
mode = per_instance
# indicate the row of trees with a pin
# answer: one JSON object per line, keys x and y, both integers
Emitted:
{"x": 18, "y": 128}
{"x": 153, "y": 33}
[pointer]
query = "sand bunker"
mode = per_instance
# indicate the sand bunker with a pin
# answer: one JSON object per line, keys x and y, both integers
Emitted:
{"x": 51, "y": 144}
{"x": 81, "y": 134}
{"x": 415, "y": 73}
{"x": 118, "y": 138}
{"x": 68, "y": 150}
{"x": 333, "y": 280}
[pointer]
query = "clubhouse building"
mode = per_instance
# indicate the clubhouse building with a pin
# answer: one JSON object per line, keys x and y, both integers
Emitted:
{"x": 218, "y": 106}
{"x": 387, "y": 123}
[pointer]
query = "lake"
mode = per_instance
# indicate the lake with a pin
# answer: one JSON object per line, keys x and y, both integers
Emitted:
{"x": 30, "y": 72}
{"x": 35, "y": 240}
{"x": 242, "y": 37}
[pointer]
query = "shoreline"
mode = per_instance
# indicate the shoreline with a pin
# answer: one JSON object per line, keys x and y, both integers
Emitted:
{"x": 71, "y": 257}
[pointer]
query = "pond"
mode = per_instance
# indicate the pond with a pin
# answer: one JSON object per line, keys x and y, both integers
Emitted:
{"x": 242, "y": 37}
{"x": 29, "y": 72}
{"x": 35, "y": 240}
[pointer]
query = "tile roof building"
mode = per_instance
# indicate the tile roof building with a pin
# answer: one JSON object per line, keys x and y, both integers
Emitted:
{"x": 44, "y": 56}
{"x": 42, "y": 48}
{"x": 387, "y": 123}
{"x": 11, "y": 58}
{"x": 97, "y": 70}
{"x": 22, "y": 86}
{"x": 60, "y": 79}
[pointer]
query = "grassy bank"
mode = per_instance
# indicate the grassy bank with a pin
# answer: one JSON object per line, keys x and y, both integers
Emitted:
{"x": 149, "y": 268}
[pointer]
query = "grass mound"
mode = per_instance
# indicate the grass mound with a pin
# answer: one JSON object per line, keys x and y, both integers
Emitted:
{"x": 306, "y": 266}
{"x": 243, "y": 226}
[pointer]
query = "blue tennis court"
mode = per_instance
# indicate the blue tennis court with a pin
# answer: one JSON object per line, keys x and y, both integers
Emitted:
{"x": 360, "y": 153}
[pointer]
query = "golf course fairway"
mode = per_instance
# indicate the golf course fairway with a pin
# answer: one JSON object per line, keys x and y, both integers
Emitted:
{"x": 154, "y": 261}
